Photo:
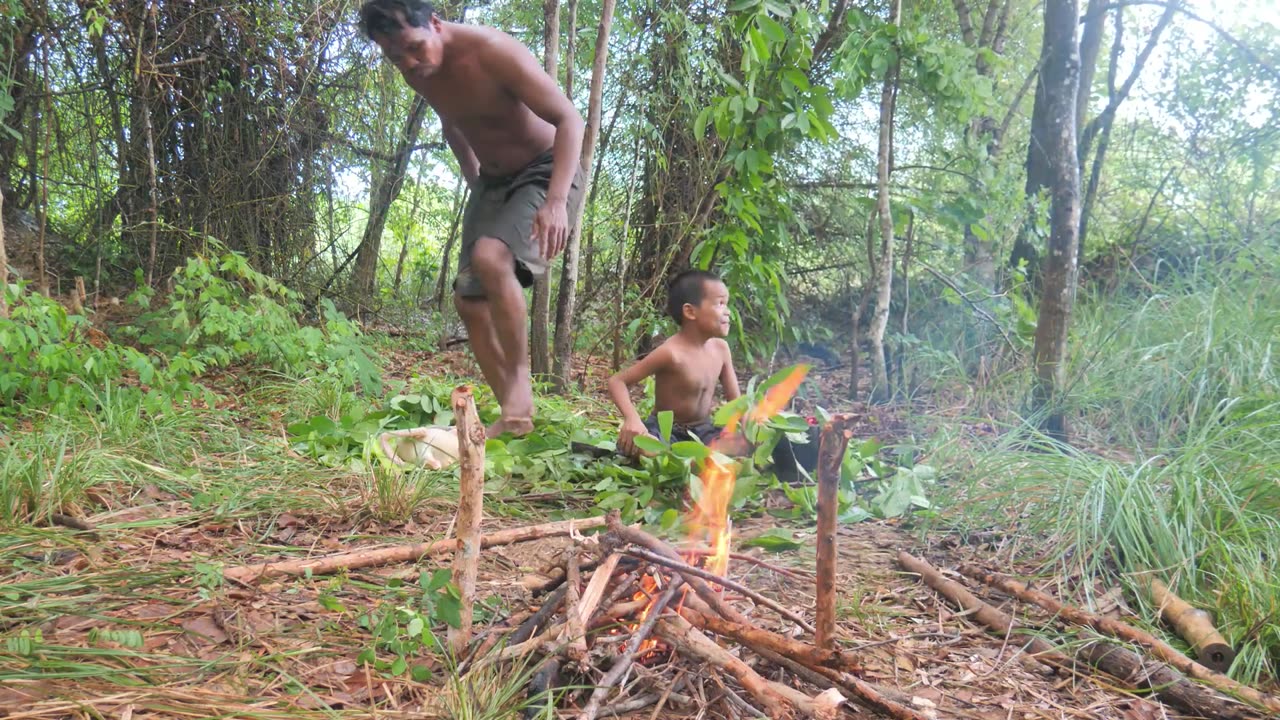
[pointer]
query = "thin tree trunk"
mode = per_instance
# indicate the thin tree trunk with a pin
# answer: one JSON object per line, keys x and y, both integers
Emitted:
{"x": 622, "y": 261}
{"x": 386, "y": 188}
{"x": 1099, "y": 128}
{"x": 569, "y": 278}
{"x": 540, "y": 311}
{"x": 1061, "y": 76}
{"x": 42, "y": 274}
{"x": 4, "y": 266}
{"x": 884, "y": 272}
{"x": 589, "y": 255}
{"x": 1090, "y": 46}
{"x": 404, "y": 246}
{"x": 459, "y": 205}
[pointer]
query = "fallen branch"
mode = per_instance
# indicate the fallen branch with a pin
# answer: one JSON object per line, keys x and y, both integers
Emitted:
{"x": 687, "y": 640}
{"x": 1161, "y": 649}
{"x": 622, "y": 664}
{"x": 756, "y": 638}
{"x": 1126, "y": 666}
{"x": 994, "y": 619}
{"x": 834, "y": 439}
{"x": 405, "y": 553}
{"x": 686, "y": 569}
{"x": 1194, "y": 625}
{"x": 466, "y": 561}
{"x": 863, "y": 691}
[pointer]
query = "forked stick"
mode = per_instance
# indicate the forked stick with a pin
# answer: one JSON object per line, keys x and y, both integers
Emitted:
{"x": 466, "y": 561}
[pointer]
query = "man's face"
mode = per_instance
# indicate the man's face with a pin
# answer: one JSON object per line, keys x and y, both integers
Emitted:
{"x": 416, "y": 51}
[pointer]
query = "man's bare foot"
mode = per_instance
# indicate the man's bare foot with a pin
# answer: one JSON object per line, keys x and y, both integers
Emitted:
{"x": 514, "y": 426}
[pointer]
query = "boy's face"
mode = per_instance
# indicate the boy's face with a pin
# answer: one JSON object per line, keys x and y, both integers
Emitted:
{"x": 712, "y": 314}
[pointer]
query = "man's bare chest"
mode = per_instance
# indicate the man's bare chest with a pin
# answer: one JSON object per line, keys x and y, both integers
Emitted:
{"x": 469, "y": 99}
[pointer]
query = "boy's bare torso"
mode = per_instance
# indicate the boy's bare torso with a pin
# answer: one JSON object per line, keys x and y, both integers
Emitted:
{"x": 687, "y": 384}
{"x": 503, "y": 132}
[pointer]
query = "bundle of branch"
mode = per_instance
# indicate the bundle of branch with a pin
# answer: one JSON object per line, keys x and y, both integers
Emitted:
{"x": 1129, "y": 670}
{"x": 1123, "y": 631}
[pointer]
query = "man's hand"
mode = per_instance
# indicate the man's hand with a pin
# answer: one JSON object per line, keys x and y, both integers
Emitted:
{"x": 631, "y": 429}
{"x": 551, "y": 227}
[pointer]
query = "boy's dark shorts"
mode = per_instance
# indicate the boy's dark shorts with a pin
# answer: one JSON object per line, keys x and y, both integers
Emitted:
{"x": 503, "y": 208}
{"x": 705, "y": 431}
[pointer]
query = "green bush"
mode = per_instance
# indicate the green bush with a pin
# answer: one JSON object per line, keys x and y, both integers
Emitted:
{"x": 56, "y": 361}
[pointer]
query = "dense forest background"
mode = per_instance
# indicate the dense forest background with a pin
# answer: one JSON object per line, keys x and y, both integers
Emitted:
{"x": 192, "y": 188}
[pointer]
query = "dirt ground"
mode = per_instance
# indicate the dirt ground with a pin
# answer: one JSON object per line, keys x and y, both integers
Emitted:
{"x": 288, "y": 647}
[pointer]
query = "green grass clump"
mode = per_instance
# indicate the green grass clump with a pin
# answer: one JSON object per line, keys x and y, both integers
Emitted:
{"x": 1181, "y": 395}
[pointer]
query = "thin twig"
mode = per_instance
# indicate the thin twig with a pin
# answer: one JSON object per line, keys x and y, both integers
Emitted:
{"x": 686, "y": 569}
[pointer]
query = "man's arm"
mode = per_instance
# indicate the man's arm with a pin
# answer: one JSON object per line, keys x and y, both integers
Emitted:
{"x": 520, "y": 72}
{"x": 729, "y": 376}
{"x": 467, "y": 161}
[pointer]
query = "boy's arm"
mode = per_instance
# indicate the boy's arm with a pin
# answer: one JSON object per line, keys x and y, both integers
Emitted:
{"x": 729, "y": 377}
{"x": 632, "y": 423}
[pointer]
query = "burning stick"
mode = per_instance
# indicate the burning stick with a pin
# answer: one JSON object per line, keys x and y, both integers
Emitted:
{"x": 404, "y": 553}
{"x": 623, "y": 663}
{"x": 686, "y": 569}
{"x": 580, "y": 611}
{"x": 636, "y": 536}
{"x": 835, "y": 438}
{"x": 466, "y": 562}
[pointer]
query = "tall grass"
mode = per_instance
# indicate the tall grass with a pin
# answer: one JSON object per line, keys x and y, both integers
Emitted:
{"x": 1177, "y": 397}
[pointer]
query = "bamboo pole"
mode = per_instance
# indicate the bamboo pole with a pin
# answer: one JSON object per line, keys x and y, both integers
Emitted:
{"x": 1123, "y": 631}
{"x": 1194, "y": 625}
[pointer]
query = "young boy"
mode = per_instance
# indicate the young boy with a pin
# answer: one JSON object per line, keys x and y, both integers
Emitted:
{"x": 685, "y": 368}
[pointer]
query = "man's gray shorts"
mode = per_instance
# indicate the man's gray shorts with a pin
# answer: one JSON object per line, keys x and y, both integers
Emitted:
{"x": 503, "y": 208}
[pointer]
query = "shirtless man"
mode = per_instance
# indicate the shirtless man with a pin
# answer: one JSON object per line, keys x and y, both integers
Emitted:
{"x": 518, "y": 140}
{"x": 686, "y": 367}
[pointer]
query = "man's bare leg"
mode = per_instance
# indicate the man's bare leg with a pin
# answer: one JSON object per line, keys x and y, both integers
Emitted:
{"x": 493, "y": 264}
{"x": 477, "y": 317}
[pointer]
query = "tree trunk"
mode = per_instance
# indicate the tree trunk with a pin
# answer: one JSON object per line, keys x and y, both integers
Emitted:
{"x": 404, "y": 245}
{"x": 1090, "y": 45}
{"x": 1060, "y": 80}
{"x": 880, "y": 391}
{"x": 1099, "y": 128}
{"x": 620, "y": 303}
{"x": 569, "y": 278}
{"x": 4, "y": 267}
{"x": 385, "y": 190}
{"x": 540, "y": 308}
{"x": 459, "y": 205}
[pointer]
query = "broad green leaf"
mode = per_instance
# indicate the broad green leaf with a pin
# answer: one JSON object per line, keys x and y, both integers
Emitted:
{"x": 772, "y": 29}
{"x": 666, "y": 419}
{"x": 775, "y": 540}
{"x": 650, "y": 444}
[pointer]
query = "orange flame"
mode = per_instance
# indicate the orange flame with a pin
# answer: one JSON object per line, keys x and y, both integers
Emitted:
{"x": 710, "y": 515}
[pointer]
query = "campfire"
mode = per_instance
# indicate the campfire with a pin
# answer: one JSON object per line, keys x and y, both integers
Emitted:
{"x": 624, "y": 599}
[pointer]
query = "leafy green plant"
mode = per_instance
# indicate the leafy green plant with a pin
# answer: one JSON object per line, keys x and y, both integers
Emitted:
{"x": 222, "y": 312}
{"x": 52, "y": 360}
{"x": 403, "y": 633}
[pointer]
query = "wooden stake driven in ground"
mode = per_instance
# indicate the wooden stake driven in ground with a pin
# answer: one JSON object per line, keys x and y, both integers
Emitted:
{"x": 834, "y": 440}
{"x": 466, "y": 561}
{"x": 1128, "y": 633}
{"x": 1194, "y": 625}
{"x": 1130, "y": 669}
{"x": 405, "y": 553}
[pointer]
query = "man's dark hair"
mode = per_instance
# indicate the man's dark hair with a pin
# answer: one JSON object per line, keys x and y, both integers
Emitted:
{"x": 689, "y": 287}
{"x": 387, "y": 17}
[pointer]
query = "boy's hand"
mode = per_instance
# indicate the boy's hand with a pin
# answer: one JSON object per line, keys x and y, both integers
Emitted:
{"x": 631, "y": 429}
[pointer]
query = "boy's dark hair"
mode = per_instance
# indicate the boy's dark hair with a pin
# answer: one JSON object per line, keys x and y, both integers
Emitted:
{"x": 384, "y": 17}
{"x": 689, "y": 287}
